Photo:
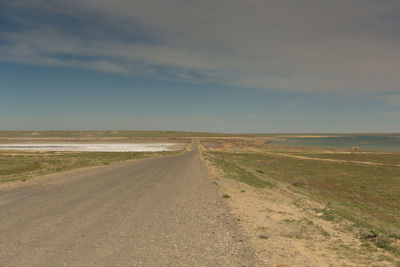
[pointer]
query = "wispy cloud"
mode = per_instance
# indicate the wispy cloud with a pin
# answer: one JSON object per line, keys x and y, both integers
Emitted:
{"x": 343, "y": 47}
{"x": 393, "y": 99}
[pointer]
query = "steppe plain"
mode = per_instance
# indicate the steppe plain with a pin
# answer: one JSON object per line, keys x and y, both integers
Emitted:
{"x": 266, "y": 205}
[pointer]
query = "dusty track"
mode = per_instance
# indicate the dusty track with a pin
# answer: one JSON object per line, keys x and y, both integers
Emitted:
{"x": 154, "y": 212}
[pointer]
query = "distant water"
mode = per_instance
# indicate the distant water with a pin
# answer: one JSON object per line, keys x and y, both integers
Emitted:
{"x": 367, "y": 142}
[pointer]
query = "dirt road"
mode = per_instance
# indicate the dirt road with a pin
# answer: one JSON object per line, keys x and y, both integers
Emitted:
{"x": 153, "y": 212}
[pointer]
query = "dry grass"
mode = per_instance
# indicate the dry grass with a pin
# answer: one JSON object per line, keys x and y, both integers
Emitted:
{"x": 381, "y": 158}
{"x": 22, "y": 165}
{"x": 95, "y": 135}
{"x": 368, "y": 195}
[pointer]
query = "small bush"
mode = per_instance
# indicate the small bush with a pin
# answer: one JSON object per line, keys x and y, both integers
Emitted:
{"x": 298, "y": 183}
{"x": 226, "y": 196}
{"x": 325, "y": 233}
{"x": 366, "y": 234}
{"x": 395, "y": 235}
{"x": 382, "y": 241}
{"x": 328, "y": 215}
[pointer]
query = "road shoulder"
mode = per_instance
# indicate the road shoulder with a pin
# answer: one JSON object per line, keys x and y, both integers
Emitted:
{"x": 285, "y": 228}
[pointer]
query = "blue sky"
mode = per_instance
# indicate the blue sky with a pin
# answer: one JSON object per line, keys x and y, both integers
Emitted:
{"x": 226, "y": 66}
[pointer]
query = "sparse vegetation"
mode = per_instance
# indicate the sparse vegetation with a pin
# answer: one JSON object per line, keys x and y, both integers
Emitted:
{"x": 226, "y": 196}
{"x": 4, "y": 135}
{"x": 365, "y": 194}
{"x": 362, "y": 193}
{"x": 327, "y": 214}
{"x": 236, "y": 172}
{"x": 14, "y": 164}
{"x": 383, "y": 158}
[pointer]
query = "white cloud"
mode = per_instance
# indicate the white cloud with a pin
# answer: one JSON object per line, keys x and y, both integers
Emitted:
{"x": 345, "y": 47}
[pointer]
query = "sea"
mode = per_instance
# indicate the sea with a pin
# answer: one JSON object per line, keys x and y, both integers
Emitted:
{"x": 388, "y": 143}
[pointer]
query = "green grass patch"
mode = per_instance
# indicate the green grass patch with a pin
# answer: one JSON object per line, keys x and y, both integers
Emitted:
{"x": 236, "y": 172}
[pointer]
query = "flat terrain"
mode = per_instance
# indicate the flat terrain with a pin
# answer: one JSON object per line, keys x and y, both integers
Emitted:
{"x": 152, "y": 212}
{"x": 368, "y": 194}
{"x": 291, "y": 205}
{"x": 23, "y": 165}
{"x": 332, "y": 206}
{"x": 12, "y": 136}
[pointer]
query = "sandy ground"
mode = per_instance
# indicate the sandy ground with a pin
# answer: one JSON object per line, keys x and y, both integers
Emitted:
{"x": 285, "y": 228}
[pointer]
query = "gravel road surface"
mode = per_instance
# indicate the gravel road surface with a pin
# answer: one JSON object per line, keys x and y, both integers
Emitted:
{"x": 152, "y": 212}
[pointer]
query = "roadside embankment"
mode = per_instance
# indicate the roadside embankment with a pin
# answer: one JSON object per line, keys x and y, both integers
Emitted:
{"x": 312, "y": 208}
